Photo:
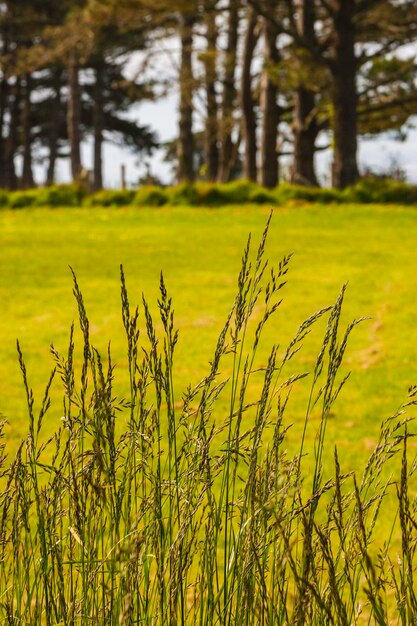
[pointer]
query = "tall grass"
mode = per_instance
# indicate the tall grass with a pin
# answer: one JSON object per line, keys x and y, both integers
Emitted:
{"x": 147, "y": 510}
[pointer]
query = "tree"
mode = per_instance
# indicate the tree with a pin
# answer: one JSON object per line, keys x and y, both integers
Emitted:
{"x": 209, "y": 59}
{"x": 269, "y": 175}
{"x": 53, "y": 122}
{"x": 13, "y": 34}
{"x": 305, "y": 122}
{"x": 27, "y": 173}
{"x": 355, "y": 34}
{"x": 185, "y": 144}
{"x": 228, "y": 103}
{"x": 87, "y": 41}
{"x": 343, "y": 66}
{"x": 249, "y": 121}
{"x": 332, "y": 65}
{"x": 73, "y": 115}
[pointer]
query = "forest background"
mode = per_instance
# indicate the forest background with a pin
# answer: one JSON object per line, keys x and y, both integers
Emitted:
{"x": 257, "y": 89}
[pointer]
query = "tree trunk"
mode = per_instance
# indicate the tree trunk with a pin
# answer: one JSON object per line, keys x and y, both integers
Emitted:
{"x": 27, "y": 174}
{"x": 305, "y": 121}
{"x": 305, "y": 135}
{"x": 98, "y": 124}
{"x": 211, "y": 149}
{"x": 229, "y": 94}
{"x": 10, "y": 178}
{"x": 73, "y": 117}
{"x": 344, "y": 96}
{"x": 54, "y": 127}
{"x": 247, "y": 100}
{"x": 185, "y": 146}
{"x": 3, "y": 100}
{"x": 269, "y": 175}
{"x": 4, "y": 90}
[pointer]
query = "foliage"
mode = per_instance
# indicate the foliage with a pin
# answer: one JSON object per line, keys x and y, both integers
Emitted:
{"x": 384, "y": 191}
{"x": 53, "y": 196}
{"x": 240, "y": 192}
{"x": 184, "y": 194}
{"x": 142, "y": 510}
{"x": 210, "y": 194}
{"x": 22, "y": 199}
{"x": 60, "y": 195}
{"x": 150, "y": 195}
{"x": 74, "y": 70}
{"x": 287, "y": 192}
{"x": 110, "y": 197}
{"x": 4, "y": 198}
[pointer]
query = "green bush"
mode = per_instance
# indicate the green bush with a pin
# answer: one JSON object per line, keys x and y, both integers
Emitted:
{"x": 210, "y": 194}
{"x": 286, "y": 192}
{"x": 4, "y": 198}
{"x": 184, "y": 194}
{"x": 59, "y": 196}
{"x": 239, "y": 191}
{"x": 367, "y": 190}
{"x": 398, "y": 192}
{"x": 374, "y": 190}
{"x": 23, "y": 199}
{"x": 110, "y": 197}
{"x": 150, "y": 195}
{"x": 263, "y": 196}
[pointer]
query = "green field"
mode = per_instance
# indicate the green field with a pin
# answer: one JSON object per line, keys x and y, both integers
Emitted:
{"x": 199, "y": 251}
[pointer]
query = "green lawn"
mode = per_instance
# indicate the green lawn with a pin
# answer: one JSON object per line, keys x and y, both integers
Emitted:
{"x": 199, "y": 250}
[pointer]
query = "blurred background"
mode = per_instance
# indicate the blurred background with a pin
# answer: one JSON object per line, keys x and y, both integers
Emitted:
{"x": 124, "y": 92}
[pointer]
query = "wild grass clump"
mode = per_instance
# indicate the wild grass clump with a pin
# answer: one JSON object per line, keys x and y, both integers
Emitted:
{"x": 150, "y": 510}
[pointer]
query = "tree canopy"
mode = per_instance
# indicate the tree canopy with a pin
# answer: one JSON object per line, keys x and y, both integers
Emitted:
{"x": 267, "y": 77}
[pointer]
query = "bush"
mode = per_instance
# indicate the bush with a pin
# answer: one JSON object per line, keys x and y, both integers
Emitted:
{"x": 210, "y": 194}
{"x": 4, "y": 198}
{"x": 286, "y": 192}
{"x": 375, "y": 190}
{"x": 150, "y": 195}
{"x": 215, "y": 194}
{"x": 184, "y": 194}
{"x": 59, "y": 196}
{"x": 263, "y": 196}
{"x": 367, "y": 190}
{"x": 110, "y": 197}
{"x": 23, "y": 199}
{"x": 239, "y": 191}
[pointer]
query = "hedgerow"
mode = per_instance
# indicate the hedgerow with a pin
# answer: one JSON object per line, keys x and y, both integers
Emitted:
{"x": 366, "y": 191}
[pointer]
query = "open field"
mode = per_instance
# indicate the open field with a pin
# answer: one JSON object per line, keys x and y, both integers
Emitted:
{"x": 207, "y": 509}
{"x": 199, "y": 251}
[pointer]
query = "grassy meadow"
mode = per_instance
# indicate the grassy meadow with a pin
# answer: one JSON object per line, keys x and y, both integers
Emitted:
{"x": 230, "y": 474}
{"x": 199, "y": 250}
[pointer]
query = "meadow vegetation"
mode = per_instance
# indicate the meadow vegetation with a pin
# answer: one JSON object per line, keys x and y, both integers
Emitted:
{"x": 207, "y": 194}
{"x": 193, "y": 505}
